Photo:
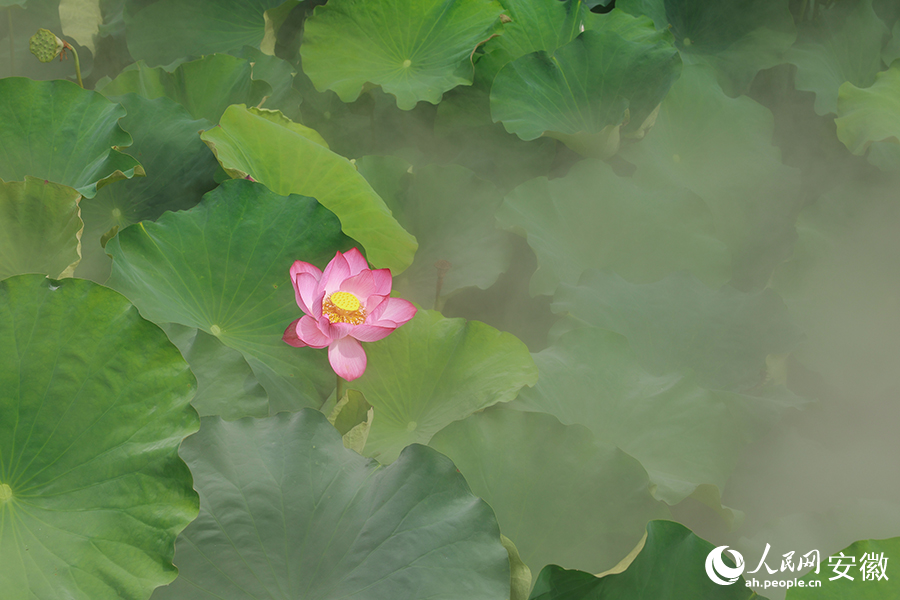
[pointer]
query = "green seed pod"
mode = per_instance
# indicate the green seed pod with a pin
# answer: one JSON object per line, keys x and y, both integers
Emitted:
{"x": 45, "y": 45}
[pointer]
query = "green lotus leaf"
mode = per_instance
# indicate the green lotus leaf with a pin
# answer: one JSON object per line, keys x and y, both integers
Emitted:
{"x": 668, "y": 567}
{"x": 226, "y": 385}
{"x": 532, "y": 26}
{"x": 40, "y": 228}
{"x": 452, "y": 212}
{"x": 871, "y": 114}
{"x": 586, "y": 90}
{"x": 868, "y": 570}
{"x": 93, "y": 406}
{"x": 223, "y": 267}
{"x": 414, "y": 49}
{"x": 678, "y": 323}
{"x": 839, "y": 287}
{"x": 161, "y": 32}
{"x": 594, "y": 219}
{"x": 844, "y": 44}
{"x": 288, "y": 512}
{"x": 682, "y": 434}
{"x": 433, "y": 371}
{"x": 205, "y": 87}
{"x": 737, "y": 38}
{"x": 179, "y": 168}
{"x": 57, "y": 131}
{"x": 561, "y": 494}
{"x": 292, "y": 159}
{"x": 721, "y": 149}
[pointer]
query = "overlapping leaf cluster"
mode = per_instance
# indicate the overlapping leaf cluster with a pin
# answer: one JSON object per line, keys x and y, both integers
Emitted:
{"x": 624, "y": 284}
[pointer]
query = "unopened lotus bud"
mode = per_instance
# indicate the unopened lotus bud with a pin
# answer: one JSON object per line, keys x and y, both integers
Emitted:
{"x": 45, "y": 45}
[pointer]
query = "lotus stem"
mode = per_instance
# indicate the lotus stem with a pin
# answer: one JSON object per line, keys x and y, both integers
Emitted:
{"x": 338, "y": 390}
{"x": 69, "y": 46}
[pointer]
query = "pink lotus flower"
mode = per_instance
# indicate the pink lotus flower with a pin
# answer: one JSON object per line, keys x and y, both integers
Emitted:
{"x": 347, "y": 304}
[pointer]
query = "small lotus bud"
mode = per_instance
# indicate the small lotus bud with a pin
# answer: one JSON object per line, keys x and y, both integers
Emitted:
{"x": 45, "y": 45}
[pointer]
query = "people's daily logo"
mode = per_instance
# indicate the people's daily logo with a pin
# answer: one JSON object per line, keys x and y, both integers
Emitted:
{"x": 872, "y": 567}
{"x": 721, "y": 573}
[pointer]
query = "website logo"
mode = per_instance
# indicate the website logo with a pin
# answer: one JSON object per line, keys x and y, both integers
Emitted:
{"x": 721, "y": 573}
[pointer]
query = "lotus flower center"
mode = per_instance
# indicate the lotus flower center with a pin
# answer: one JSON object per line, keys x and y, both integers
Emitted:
{"x": 345, "y": 301}
{"x": 344, "y": 307}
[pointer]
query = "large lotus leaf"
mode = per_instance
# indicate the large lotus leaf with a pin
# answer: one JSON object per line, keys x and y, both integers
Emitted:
{"x": 223, "y": 267}
{"x": 869, "y": 576}
{"x": 594, "y": 219}
{"x": 40, "y": 228}
{"x": 433, "y": 371}
{"x": 683, "y": 434}
{"x": 226, "y": 385}
{"x": 452, "y": 212}
{"x": 844, "y": 44}
{"x": 840, "y": 287}
{"x": 870, "y": 114}
{"x": 680, "y": 324}
{"x": 534, "y": 26}
{"x": 414, "y": 49}
{"x": 160, "y": 32}
{"x": 57, "y": 131}
{"x": 738, "y": 38}
{"x": 94, "y": 402}
{"x": 288, "y": 512}
{"x": 584, "y": 91}
{"x": 179, "y": 168}
{"x": 669, "y": 566}
{"x": 721, "y": 149}
{"x": 292, "y": 159}
{"x": 561, "y": 494}
{"x": 205, "y": 87}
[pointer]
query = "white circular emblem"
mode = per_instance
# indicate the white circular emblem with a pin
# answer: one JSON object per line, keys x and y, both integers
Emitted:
{"x": 721, "y": 573}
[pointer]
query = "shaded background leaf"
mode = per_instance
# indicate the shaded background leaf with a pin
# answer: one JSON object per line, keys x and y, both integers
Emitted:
{"x": 40, "y": 228}
{"x": 318, "y": 521}
{"x": 598, "y": 518}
